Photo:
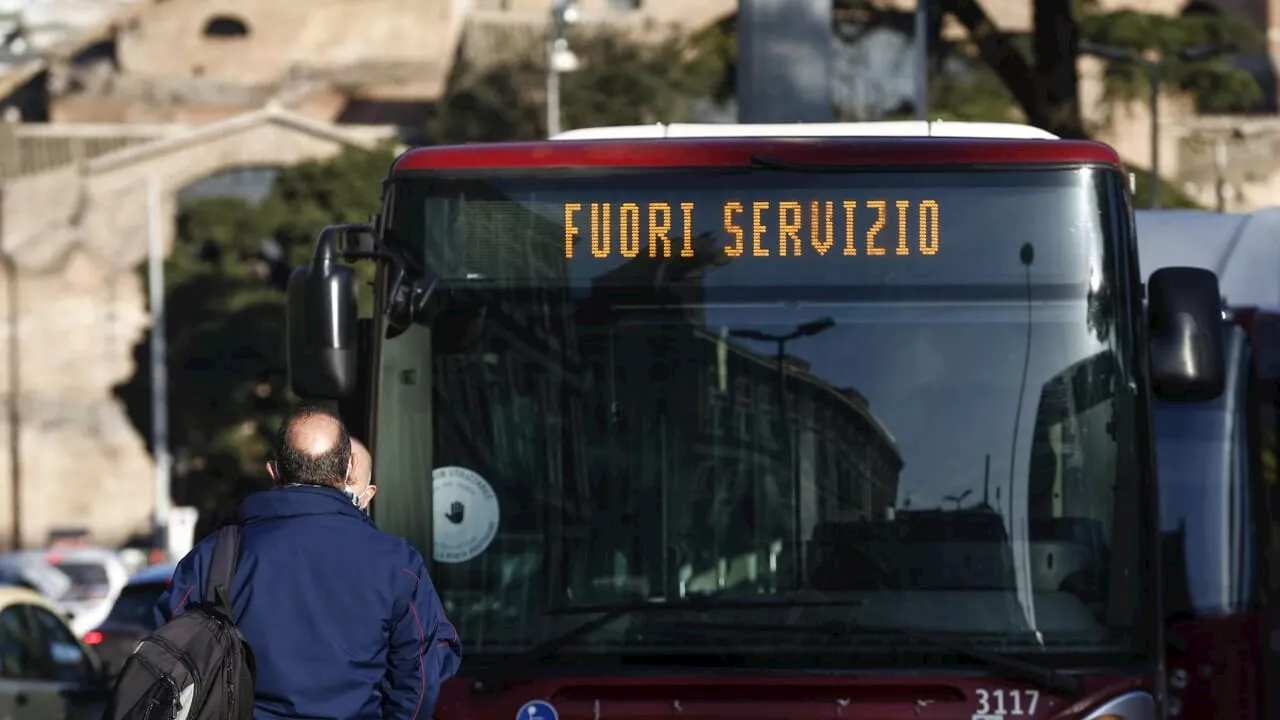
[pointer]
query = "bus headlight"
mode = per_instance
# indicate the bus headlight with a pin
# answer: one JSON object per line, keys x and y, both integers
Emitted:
{"x": 1129, "y": 706}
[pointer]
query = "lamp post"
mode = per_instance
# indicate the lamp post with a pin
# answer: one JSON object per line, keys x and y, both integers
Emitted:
{"x": 560, "y": 59}
{"x": 159, "y": 367}
{"x": 957, "y": 499}
{"x": 1221, "y": 163}
{"x": 14, "y": 409}
{"x": 922, "y": 59}
{"x": 1155, "y": 67}
{"x": 809, "y": 329}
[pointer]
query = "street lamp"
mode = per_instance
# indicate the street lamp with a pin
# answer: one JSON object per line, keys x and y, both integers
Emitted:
{"x": 14, "y": 311}
{"x": 957, "y": 499}
{"x": 560, "y": 59}
{"x": 1218, "y": 141}
{"x": 922, "y": 59}
{"x": 1155, "y": 67}
{"x": 809, "y": 329}
{"x": 163, "y": 478}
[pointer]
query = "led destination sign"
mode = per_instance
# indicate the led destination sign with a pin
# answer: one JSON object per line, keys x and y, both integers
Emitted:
{"x": 758, "y": 228}
{"x": 888, "y": 235}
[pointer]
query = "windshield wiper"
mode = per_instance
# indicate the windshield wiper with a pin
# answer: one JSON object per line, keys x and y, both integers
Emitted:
{"x": 1045, "y": 678}
{"x": 493, "y": 678}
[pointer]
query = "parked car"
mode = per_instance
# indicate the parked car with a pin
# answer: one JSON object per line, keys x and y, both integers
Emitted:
{"x": 45, "y": 672}
{"x": 69, "y": 537}
{"x": 132, "y": 617}
{"x": 97, "y": 577}
{"x": 34, "y": 573}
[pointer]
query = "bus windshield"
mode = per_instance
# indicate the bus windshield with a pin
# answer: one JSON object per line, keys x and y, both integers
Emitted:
{"x": 892, "y": 398}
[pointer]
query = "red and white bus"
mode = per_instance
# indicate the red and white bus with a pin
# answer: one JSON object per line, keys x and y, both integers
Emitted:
{"x": 815, "y": 421}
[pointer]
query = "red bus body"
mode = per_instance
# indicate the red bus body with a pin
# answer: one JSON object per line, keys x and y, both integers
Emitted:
{"x": 586, "y": 692}
{"x": 1220, "y": 559}
{"x": 683, "y": 153}
{"x": 1219, "y": 479}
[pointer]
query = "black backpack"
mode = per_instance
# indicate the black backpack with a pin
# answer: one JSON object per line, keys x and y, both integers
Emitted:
{"x": 197, "y": 666}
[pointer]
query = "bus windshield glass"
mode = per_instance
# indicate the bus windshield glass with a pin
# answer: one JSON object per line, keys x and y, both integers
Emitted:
{"x": 892, "y": 399}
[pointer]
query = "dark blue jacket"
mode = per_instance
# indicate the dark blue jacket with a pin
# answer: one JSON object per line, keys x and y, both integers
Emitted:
{"x": 342, "y": 618}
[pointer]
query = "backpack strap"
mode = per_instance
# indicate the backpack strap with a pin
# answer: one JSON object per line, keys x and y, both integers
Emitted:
{"x": 222, "y": 568}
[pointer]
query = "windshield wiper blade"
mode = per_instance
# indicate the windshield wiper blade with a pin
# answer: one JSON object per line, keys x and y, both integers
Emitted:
{"x": 764, "y": 162}
{"x": 1045, "y": 678}
{"x": 495, "y": 677}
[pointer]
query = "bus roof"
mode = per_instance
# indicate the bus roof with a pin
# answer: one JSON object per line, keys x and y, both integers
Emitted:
{"x": 828, "y": 152}
{"x": 903, "y": 128}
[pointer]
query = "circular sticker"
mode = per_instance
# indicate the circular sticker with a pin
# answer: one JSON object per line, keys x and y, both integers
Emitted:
{"x": 537, "y": 710}
{"x": 466, "y": 514}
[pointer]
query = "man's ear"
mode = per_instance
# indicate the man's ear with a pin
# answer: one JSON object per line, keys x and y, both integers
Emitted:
{"x": 273, "y": 471}
{"x": 373, "y": 492}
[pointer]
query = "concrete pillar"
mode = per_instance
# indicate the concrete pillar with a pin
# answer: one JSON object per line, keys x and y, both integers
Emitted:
{"x": 784, "y": 61}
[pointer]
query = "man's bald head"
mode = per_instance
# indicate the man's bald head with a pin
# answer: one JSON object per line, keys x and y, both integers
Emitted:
{"x": 313, "y": 448}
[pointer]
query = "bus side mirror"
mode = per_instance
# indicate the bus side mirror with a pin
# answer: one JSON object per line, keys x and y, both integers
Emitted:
{"x": 1184, "y": 312}
{"x": 321, "y": 322}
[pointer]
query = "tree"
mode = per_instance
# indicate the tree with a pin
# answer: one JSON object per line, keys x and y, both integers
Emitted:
{"x": 1045, "y": 83}
{"x": 1039, "y": 71}
{"x": 228, "y": 388}
{"x": 624, "y": 79}
{"x": 1215, "y": 84}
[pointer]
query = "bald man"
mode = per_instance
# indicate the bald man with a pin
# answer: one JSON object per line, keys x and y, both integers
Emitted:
{"x": 360, "y": 487}
{"x": 342, "y": 618}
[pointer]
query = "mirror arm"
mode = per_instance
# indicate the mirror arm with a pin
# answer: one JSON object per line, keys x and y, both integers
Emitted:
{"x": 400, "y": 295}
{"x": 397, "y": 265}
{"x": 408, "y": 301}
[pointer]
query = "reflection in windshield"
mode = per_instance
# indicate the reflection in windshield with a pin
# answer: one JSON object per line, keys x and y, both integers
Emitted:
{"x": 939, "y": 444}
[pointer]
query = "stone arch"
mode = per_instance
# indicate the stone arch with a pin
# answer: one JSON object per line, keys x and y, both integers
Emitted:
{"x": 77, "y": 235}
{"x": 117, "y": 183}
{"x": 224, "y": 27}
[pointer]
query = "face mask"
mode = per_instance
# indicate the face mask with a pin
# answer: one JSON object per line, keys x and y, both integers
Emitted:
{"x": 356, "y": 498}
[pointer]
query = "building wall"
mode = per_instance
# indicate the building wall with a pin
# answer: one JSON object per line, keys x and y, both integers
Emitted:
{"x": 171, "y": 41}
{"x": 77, "y": 235}
{"x": 1244, "y": 156}
{"x": 169, "y": 67}
{"x": 82, "y": 463}
{"x": 686, "y": 14}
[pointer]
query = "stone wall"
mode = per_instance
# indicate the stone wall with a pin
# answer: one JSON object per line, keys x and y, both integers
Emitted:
{"x": 77, "y": 235}
{"x": 175, "y": 39}
{"x": 1243, "y": 154}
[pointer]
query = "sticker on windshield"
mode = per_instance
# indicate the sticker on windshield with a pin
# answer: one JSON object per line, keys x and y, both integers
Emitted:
{"x": 466, "y": 515}
{"x": 1000, "y": 704}
{"x": 537, "y": 710}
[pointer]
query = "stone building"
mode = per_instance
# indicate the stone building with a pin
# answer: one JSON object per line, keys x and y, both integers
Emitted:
{"x": 348, "y": 61}
{"x": 73, "y": 233}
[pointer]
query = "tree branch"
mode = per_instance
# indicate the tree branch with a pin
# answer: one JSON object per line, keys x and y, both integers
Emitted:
{"x": 997, "y": 50}
{"x": 1056, "y": 42}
